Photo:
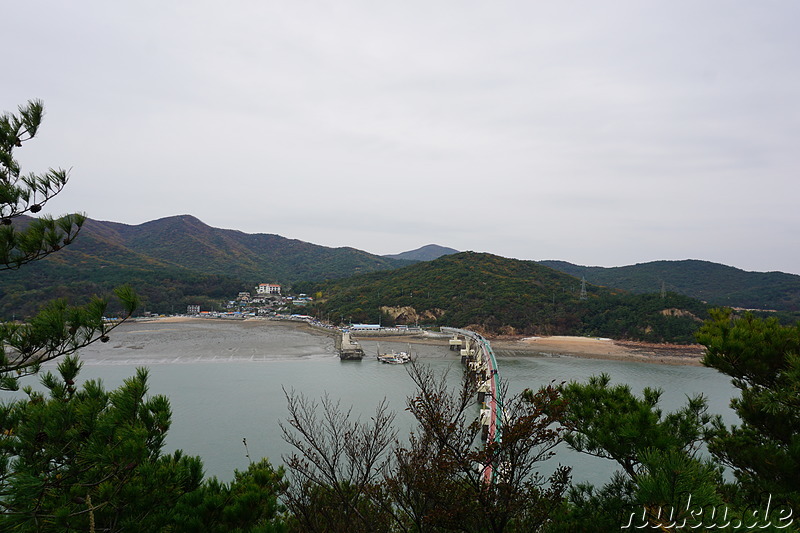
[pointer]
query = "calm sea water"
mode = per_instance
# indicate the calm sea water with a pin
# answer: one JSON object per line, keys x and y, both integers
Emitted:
{"x": 226, "y": 381}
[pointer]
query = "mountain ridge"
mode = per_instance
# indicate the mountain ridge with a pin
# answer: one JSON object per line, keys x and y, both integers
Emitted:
{"x": 715, "y": 283}
{"x": 175, "y": 261}
{"x": 183, "y": 239}
{"x": 179, "y": 259}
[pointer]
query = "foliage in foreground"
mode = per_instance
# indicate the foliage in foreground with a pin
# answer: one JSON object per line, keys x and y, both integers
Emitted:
{"x": 87, "y": 459}
{"x": 658, "y": 454}
{"x": 90, "y": 460}
{"x": 671, "y": 464}
{"x": 77, "y": 457}
{"x": 763, "y": 359}
{"x": 665, "y": 481}
{"x": 59, "y": 328}
{"x": 72, "y": 458}
{"x": 354, "y": 476}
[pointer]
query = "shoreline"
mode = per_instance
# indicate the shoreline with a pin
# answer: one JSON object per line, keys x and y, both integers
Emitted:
{"x": 504, "y": 346}
{"x": 606, "y": 349}
{"x": 583, "y": 347}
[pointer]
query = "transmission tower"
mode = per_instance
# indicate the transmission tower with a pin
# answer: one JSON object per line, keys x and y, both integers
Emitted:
{"x": 583, "y": 295}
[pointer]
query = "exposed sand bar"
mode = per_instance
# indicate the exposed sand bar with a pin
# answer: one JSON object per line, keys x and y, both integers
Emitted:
{"x": 586, "y": 347}
{"x": 598, "y": 348}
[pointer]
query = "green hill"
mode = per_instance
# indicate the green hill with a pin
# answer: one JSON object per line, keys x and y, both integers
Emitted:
{"x": 716, "y": 284}
{"x": 504, "y": 296}
{"x": 175, "y": 261}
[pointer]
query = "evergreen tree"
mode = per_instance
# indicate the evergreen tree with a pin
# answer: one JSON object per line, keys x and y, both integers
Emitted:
{"x": 658, "y": 453}
{"x": 248, "y": 504}
{"x": 90, "y": 460}
{"x": 611, "y": 422}
{"x": 665, "y": 483}
{"x": 763, "y": 358}
{"x": 58, "y": 329}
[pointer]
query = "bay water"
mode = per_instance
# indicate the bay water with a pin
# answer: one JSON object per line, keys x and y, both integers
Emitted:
{"x": 226, "y": 381}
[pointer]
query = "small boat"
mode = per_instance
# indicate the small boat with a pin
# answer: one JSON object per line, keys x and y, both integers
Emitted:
{"x": 394, "y": 358}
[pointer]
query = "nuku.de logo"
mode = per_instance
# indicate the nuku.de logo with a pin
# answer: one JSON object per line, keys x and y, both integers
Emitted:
{"x": 765, "y": 513}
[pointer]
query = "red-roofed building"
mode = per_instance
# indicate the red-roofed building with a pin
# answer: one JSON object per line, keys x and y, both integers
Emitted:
{"x": 268, "y": 288}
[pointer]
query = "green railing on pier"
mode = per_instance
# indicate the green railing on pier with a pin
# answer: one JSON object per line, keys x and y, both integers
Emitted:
{"x": 495, "y": 405}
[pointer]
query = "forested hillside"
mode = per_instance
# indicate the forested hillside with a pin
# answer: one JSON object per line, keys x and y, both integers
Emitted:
{"x": 187, "y": 242}
{"x": 173, "y": 262}
{"x": 176, "y": 261}
{"x": 498, "y": 295}
{"x": 714, "y": 283}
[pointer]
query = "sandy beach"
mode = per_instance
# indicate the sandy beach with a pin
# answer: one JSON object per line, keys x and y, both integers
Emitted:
{"x": 600, "y": 348}
{"x": 586, "y": 347}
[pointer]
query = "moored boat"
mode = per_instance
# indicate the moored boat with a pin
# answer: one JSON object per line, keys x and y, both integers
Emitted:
{"x": 394, "y": 358}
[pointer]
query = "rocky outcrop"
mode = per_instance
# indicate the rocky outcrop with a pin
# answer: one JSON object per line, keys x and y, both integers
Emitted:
{"x": 680, "y": 313}
{"x": 409, "y": 315}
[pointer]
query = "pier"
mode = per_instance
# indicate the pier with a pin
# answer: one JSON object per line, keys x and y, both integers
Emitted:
{"x": 480, "y": 362}
{"x": 349, "y": 349}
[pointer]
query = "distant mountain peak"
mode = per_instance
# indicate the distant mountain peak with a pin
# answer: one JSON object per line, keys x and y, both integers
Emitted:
{"x": 185, "y": 219}
{"x": 429, "y": 252}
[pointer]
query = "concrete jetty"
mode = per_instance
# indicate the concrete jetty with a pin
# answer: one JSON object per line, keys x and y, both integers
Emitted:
{"x": 349, "y": 349}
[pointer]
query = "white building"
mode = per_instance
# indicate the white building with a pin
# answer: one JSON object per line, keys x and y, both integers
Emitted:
{"x": 268, "y": 288}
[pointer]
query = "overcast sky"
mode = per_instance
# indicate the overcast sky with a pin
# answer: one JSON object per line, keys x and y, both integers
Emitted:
{"x": 600, "y": 133}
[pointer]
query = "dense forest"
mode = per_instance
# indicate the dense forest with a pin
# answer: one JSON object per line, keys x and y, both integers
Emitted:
{"x": 497, "y": 295}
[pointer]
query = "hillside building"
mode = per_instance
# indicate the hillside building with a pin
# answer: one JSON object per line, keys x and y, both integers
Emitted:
{"x": 268, "y": 288}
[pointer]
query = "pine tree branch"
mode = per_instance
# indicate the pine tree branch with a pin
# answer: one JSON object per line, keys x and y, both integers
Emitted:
{"x": 58, "y": 330}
